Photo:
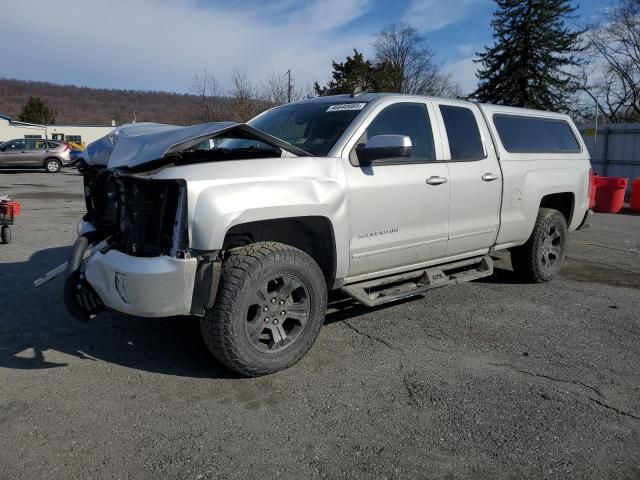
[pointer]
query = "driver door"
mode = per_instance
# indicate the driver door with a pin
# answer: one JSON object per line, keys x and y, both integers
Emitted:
{"x": 398, "y": 208}
{"x": 13, "y": 154}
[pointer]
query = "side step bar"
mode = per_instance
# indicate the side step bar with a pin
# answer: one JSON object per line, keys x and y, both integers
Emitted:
{"x": 397, "y": 287}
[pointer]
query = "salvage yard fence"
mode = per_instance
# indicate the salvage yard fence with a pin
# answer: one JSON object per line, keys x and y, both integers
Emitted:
{"x": 614, "y": 149}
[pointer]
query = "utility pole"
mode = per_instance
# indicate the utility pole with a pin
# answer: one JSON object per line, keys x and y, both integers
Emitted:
{"x": 289, "y": 86}
{"x": 595, "y": 135}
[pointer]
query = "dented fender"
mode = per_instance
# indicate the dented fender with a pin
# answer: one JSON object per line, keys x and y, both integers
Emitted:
{"x": 225, "y": 194}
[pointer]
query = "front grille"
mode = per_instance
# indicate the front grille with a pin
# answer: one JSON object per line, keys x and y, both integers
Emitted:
{"x": 140, "y": 214}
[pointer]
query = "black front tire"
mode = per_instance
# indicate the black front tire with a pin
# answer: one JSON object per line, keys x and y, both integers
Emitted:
{"x": 541, "y": 258}
{"x": 269, "y": 309}
{"x": 5, "y": 235}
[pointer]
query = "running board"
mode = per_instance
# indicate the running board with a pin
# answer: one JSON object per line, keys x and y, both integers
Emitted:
{"x": 397, "y": 287}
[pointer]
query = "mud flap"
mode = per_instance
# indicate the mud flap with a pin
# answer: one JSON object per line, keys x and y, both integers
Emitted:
{"x": 586, "y": 221}
{"x": 206, "y": 285}
{"x": 81, "y": 301}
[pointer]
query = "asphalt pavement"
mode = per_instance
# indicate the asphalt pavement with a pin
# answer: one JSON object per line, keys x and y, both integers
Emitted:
{"x": 492, "y": 379}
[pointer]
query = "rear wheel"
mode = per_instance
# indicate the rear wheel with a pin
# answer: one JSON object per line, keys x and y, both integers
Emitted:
{"x": 5, "y": 234}
{"x": 269, "y": 310}
{"x": 541, "y": 258}
{"x": 52, "y": 165}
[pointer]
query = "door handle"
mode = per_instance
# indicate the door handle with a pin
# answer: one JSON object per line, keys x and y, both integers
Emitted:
{"x": 436, "y": 180}
{"x": 490, "y": 177}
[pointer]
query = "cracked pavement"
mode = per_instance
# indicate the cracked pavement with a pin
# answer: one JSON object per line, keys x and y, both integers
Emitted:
{"x": 492, "y": 379}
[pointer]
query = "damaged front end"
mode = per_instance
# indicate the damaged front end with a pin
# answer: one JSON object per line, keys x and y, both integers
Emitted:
{"x": 143, "y": 217}
{"x": 132, "y": 253}
{"x": 143, "y": 266}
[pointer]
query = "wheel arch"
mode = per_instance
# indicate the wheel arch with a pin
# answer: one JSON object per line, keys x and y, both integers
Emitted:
{"x": 314, "y": 235}
{"x": 564, "y": 202}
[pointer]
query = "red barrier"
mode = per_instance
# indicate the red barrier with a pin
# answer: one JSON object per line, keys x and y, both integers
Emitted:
{"x": 635, "y": 195}
{"x": 593, "y": 178}
{"x": 610, "y": 194}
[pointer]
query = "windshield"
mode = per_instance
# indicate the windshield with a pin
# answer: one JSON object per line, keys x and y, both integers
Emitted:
{"x": 313, "y": 127}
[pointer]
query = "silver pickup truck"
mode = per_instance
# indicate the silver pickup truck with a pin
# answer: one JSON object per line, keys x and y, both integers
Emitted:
{"x": 383, "y": 196}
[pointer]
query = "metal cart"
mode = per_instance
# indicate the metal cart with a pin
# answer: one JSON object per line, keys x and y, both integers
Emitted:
{"x": 9, "y": 210}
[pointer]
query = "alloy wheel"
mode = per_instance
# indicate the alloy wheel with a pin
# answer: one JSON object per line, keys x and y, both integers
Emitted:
{"x": 552, "y": 247}
{"x": 53, "y": 166}
{"x": 278, "y": 313}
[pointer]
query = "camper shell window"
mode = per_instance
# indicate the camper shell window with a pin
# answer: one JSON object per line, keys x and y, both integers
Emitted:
{"x": 520, "y": 134}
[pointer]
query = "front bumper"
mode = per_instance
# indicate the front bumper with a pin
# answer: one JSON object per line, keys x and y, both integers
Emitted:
{"x": 142, "y": 286}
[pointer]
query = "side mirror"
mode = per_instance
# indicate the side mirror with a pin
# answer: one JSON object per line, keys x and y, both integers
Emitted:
{"x": 3, "y": 149}
{"x": 387, "y": 147}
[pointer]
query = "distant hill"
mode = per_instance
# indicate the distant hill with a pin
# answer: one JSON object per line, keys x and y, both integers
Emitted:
{"x": 93, "y": 106}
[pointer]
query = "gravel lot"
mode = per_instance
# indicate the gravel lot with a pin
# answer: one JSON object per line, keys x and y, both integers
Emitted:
{"x": 491, "y": 379}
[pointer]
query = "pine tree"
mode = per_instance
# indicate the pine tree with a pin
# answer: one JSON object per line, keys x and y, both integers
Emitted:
{"x": 36, "y": 111}
{"x": 355, "y": 72}
{"x": 533, "y": 54}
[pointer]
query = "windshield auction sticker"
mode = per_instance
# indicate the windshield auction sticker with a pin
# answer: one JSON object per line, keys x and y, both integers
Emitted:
{"x": 341, "y": 107}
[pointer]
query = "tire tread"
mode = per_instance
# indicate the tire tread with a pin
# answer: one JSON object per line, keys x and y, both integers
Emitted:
{"x": 524, "y": 259}
{"x": 217, "y": 325}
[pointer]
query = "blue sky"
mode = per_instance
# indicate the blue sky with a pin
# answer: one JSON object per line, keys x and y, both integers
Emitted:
{"x": 161, "y": 44}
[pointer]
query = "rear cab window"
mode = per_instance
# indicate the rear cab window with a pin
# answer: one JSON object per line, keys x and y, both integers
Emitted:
{"x": 522, "y": 134}
{"x": 465, "y": 141}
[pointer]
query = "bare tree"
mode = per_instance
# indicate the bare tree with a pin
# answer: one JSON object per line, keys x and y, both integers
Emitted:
{"x": 410, "y": 63}
{"x": 614, "y": 47}
{"x": 276, "y": 89}
{"x": 206, "y": 88}
{"x": 305, "y": 92}
{"x": 245, "y": 101}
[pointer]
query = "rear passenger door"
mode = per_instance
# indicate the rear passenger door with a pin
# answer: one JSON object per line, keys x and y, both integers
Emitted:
{"x": 476, "y": 183}
{"x": 35, "y": 152}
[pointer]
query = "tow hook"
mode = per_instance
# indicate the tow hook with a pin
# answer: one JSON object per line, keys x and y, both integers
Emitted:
{"x": 80, "y": 299}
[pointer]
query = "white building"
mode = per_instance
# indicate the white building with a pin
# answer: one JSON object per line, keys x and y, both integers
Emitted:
{"x": 80, "y": 134}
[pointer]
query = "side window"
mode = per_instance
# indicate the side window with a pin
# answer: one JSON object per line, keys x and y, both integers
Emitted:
{"x": 17, "y": 145}
{"x": 535, "y": 135}
{"x": 53, "y": 145}
{"x": 465, "y": 142}
{"x": 35, "y": 144}
{"x": 410, "y": 119}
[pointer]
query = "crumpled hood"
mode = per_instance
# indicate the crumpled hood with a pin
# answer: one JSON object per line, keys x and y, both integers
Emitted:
{"x": 136, "y": 144}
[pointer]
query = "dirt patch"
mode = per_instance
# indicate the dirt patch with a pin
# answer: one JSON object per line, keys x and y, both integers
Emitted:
{"x": 50, "y": 196}
{"x": 605, "y": 275}
{"x": 73, "y": 213}
{"x": 36, "y": 185}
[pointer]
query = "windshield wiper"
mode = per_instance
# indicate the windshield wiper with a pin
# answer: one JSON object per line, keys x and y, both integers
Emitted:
{"x": 253, "y": 148}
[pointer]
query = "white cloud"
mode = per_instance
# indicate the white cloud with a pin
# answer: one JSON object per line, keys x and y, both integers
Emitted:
{"x": 326, "y": 15}
{"x": 160, "y": 44}
{"x": 432, "y": 15}
{"x": 467, "y": 49}
{"x": 464, "y": 72}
